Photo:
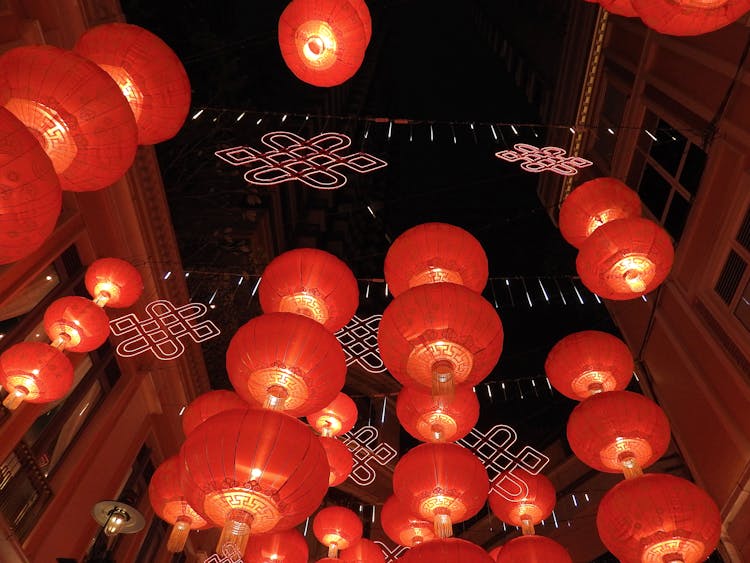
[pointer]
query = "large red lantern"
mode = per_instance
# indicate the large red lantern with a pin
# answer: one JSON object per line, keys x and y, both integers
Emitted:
{"x": 282, "y": 547}
{"x": 593, "y": 204}
{"x": 76, "y": 324}
{"x": 437, "y": 419}
{"x": 364, "y": 551}
{"x": 113, "y": 282}
{"x": 527, "y": 511}
{"x": 533, "y": 549}
{"x": 208, "y": 404}
{"x": 286, "y": 362}
{"x": 32, "y": 198}
{"x": 589, "y": 362}
{"x": 689, "y": 17}
{"x": 337, "y": 528}
{"x": 34, "y": 372}
{"x": 170, "y": 505}
{"x": 340, "y": 460}
{"x": 402, "y": 526}
{"x": 435, "y": 253}
{"x": 312, "y": 283}
{"x": 148, "y": 72}
{"x": 442, "y": 483}
{"x": 75, "y": 111}
{"x": 625, "y": 258}
{"x": 658, "y": 518}
{"x": 618, "y": 431}
{"x": 446, "y": 550}
{"x": 337, "y": 418}
{"x": 323, "y": 42}
{"x": 253, "y": 471}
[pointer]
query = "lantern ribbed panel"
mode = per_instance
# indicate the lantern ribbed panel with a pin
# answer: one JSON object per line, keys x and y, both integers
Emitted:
{"x": 364, "y": 15}
{"x": 689, "y": 17}
{"x": 593, "y": 204}
{"x": 148, "y": 72}
{"x": 495, "y": 552}
{"x": 117, "y": 277}
{"x": 621, "y": 247}
{"x": 32, "y": 197}
{"x": 437, "y": 419}
{"x": 337, "y": 418}
{"x": 46, "y": 373}
{"x": 403, "y": 526}
{"x": 208, "y": 404}
{"x": 657, "y": 515}
{"x": 167, "y": 498}
{"x": 533, "y": 549}
{"x": 339, "y": 525}
{"x": 432, "y": 253}
{"x": 364, "y": 551}
{"x": 440, "y": 322}
{"x": 76, "y": 112}
{"x": 264, "y": 462}
{"x": 340, "y": 460}
{"x": 447, "y": 550}
{"x": 289, "y": 546}
{"x": 607, "y": 426}
{"x": 323, "y": 42}
{"x": 291, "y": 351}
{"x": 619, "y": 7}
{"x": 535, "y": 506}
{"x": 588, "y": 360}
{"x": 81, "y": 319}
{"x": 310, "y": 282}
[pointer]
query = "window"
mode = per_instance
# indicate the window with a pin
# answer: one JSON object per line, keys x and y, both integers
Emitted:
{"x": 733, "y": 284}
{"x": 610, "y": 118}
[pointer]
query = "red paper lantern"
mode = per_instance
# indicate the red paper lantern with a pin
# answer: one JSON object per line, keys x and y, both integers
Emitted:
{"x": 208, "y": 404}
{"x": 364, "y": 15}
{"x": 335, "y": 419}
{"x": 446, "y": 550}
{"x": 589, "y": 362}
{"x": 113, "y": 282}
{"x": 287, "y": 362}
{"x": 402, "y": 526}
{"x": 170, "y": 505}
{"x": 285, "y": 547}
{"x": 442, "y": 483}
{"x": 619, "y": 7}
{"x": 312, "y": 283}
{"x": 533, "y": 549}
{"x": 495, "y": 552}
{"x": 340, "y": 460}
{"x": 337, "y": 528}
{"x": 323, "y": 42}
{"x": 253, "y": 471}
{"x": 34, "y": 372}
{"x": 527, "y": 511}
{"x": 149, "y": 75}
{"x": 438, "y": 335}
{"x": 625, "y": 258}
{"x": 618, "y": 431}
{"x": 437, "y": 419}
{"x": 76, "y": 324}
{"x": 658, "y": 518}
{"x": 32, "y": 198}
{"x": 364, "y": 551}
{"x": 689, "y": 17}
{"x": 593, "y": 204}
{"x": 74, "y": 110}
{"x": 435, "y": 253}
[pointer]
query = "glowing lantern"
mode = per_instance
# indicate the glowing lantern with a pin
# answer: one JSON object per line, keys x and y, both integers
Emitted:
{"x": 437, "y": 419}
{"x": 529, "y": 510}
{"x": 364, "y": 551}
{"x": 495, "y": 552}
{"x": 618, "y": 431}
{"x": 170, "y": 505}
{"x": 312, "y": 283}
{"x": 337, "y": 528}
{"x": 74, "y": 110}
{"x": 439, "y": 335}
{"x": 403, "y": 527}
{"x": 335, "y": 419}
{"x": 593, "y": 204}
{"x": 625, "y": 258}
{"x": 658, "y": 518}
{"x": 32, "y": 198}
{"x": 533, "y": 549}
{"x": 286, "y": 362}
{"x": 323, "y": 42}
{"x": 689, "y": 17}
{"x": 34, "y": 372}
{"x": 364, "y": 15}
{"x": 340, "y": 460}
{"x": 148, "y": 72}
{"x": 283, "y": 547}
{"x": 589, "y": 362}
{"x": 442, "y": 483}
{"x": 76, "y": 324}
{"x": 113, "y": 282}
{"x": 435, "y": 253}
{"x": 208, "y": 404}
{"x": 446, "y": 550}
{"x": 253, "y": 471}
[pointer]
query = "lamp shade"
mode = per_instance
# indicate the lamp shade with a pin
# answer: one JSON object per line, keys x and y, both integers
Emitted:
{"x": 619, "y": 7}
{"x": 588, "y": 362}
{"x": 658, "y": 518}
{"x": 337, "y": 528}
{"x": 32, "y": 198}
{"x": 77, "y": 323}
{"x": 74, "y": 110}
{"x": 337, "y": 418}
{"x": 208, "y": 404}
{"x": 149, "y": 75}
{"x": 446, "y": 550}
{"x": 533, "y": 549}
{"x": 286, "y": 361}
{"x": 364, "y": 551}
{"x": 34, "y": 372}
{"x": 114, "y": 282}
{"x": 282, "y": 547}
{"x": 402, "y": 526}
{"x": 312, "y": 283}
{"x": 529, "y": 510}
{"x": 434, "y": 253}
{"x": 437, "y": 419}
{"x": 340, "y": 460}
{"x": 689, "y": 17}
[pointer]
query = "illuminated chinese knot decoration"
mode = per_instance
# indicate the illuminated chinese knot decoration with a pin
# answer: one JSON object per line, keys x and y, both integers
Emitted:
{"x": 359, "y": 340}
{"x": 545, "y": 159}
{"x": 367, "y": 452}
{"x": 493, "y": 448}
{"x": 163, "y": 329}
{"x": 391, "y": 553}
{"x": 229, "y": 554}
{"x": 314, "y": 162}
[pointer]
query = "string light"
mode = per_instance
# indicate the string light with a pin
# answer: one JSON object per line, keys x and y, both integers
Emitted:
{"x": 166, "y": 276}
{"x": 197, "y": 114}
{"x": 240, "y": 116}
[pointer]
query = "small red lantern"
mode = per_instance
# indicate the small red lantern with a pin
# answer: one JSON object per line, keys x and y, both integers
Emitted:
{"x": 34, "y": 372}
{"x": 437, "y": 419}
{"x": 312, "y": 283}
{"x": 75, "y": 111}
{"x": 113, "y": 282}
{"x": 208, "y": 404}
{"x": 340, "y": 460}
{"x": 402, "y": 526}
{"x": 533, "y": 549}
{"x": 618, "y": 431}
{"x": 619, "y": 7}
{"x": 148, "y": 72}
{"x": 625, "y": 258}
{"x": 435, "y": 253}
{"x": 593, "y": 204}
{"x": 495, "y": 552}
{"x": 335, "y": 419}
{"x": 446, "y": 550}
{"x": 689, "y": 17}
{"x": 337, "y": 528}
{"x": 76, "y": 324}
{"x": 658, "y": 518}
{"x": 536, "y": 505}
{"x": 364, "y": 551}
{"x": 589, "y": 362}
{"x": 285, "y": 547}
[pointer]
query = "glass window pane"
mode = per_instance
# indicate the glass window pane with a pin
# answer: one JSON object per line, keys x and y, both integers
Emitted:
{"x": 613, "y": 106}
{"x": 677, "y": 216}
{"x": 654, "y": 190}
{"x": 692, "y": 170}
{"x": 13, "y": 312}
{"x": 668, "y": 147}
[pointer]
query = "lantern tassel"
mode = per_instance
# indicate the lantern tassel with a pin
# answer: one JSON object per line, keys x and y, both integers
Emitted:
{"x": 443, "y": 525}
{"x": 179, "y": 535}
{"x": 527, "y": 527}
{"x": 443, "y": 385}
{"x": 333, "y": 551}
{"x": 15, "y": 398}
{"x": 236, "y": 530}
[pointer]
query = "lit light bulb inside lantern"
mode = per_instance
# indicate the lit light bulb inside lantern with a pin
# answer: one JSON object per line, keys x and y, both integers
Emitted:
{"x": 255, "y": 473}
{"x": 278, "y": 388}
{"x": 676, "y": 549}
{"x": 439, "y": 365}
{"x": 127, "y": 86}
{"x": 436, "y": 426}
{"x": 632, "y": 273}
{"x": 436, "y": 275}
{"x": 317, "y": 44}
{"x": 115, "y": 522}
{"x": 104, "y": 292}
{"x": 625, "y": 454}
{"x": 593, "y": 382}
{"x": 606, "y": 216}
{"x": 307, "y": 304}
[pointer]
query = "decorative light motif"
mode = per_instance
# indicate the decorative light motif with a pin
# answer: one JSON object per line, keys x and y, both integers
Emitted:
{"x": 366, "y": 450}
{"x": 359, "y": 340}
{"x": 545, "y": 159}
{"x": 229, "y": 554}
{"x": 391, "y": 553}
